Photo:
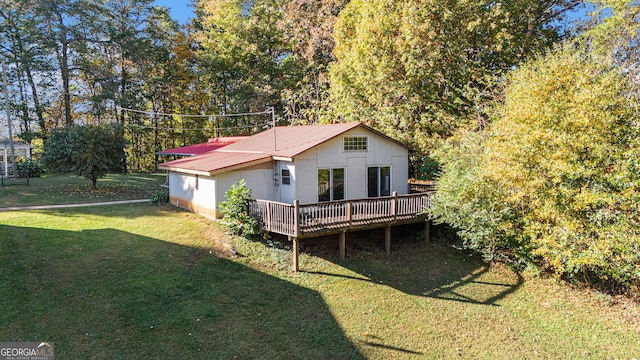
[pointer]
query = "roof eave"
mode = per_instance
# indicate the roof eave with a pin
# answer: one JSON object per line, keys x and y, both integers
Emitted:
{"x": 183, "y": 170}
{"x": 215, "y": 171}
{"x": 240, "y": 166}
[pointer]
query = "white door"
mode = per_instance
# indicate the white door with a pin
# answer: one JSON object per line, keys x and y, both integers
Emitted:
{"x": 287, "y": 182}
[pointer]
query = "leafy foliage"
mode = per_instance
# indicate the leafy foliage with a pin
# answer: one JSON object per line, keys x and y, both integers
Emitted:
{"x": 236, "y": 219}
{"x": 555, "y": 179}
{"x": 566, "y": 149}
{"x": 91, "y": 151}
{"x": 468, "y": 202}
{"x": 420, "y": 70}
{"x": 29, "y": 168}
{"x": 160, "y": 196}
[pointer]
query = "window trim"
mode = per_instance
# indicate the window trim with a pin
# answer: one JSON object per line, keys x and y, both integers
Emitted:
{"x": 331, "y": 184}
{"x": 379, "y": 180}
{"x": 355, "y": 143}
{"x": 285, "y": 179}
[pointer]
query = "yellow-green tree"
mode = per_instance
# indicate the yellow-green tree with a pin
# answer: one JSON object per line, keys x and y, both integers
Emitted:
{"x": 555, "y": 179}
{"x": 565, "y": 147}
{"x": 419, "y": 70}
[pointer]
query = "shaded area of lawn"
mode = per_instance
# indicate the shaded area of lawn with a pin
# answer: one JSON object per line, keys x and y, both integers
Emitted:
{"x": 109, "y": 294}
{"x": 428, "y": 300}
{"x": 133, "y": 281}
{"x": 65, "y": 189}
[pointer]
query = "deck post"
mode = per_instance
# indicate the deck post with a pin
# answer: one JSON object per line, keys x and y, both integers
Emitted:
{"x": 343, "y": 243}
{"x": 387, "y": 239}
{"x": 296, "y": 218}
{"x": 296, "y": 250}
{"x": 268, "y": 216}
{"x": 394, "y": 205}
{"x": 349, "y": 211}
{"x": 427, "y": 230}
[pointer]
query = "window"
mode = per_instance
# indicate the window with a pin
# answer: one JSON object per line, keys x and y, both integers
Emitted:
{"x": 286, "y": 177}
{"x": 330, "y": 184}
{"x": 378, "y": 181}
{"x": 355, "y": 143}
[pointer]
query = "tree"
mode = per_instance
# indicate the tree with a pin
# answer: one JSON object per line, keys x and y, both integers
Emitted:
{"x": 91, "y": 151}
{"x": 68, "y": 26}
{"x": 23, "y": 40}
{"x": 243, "y": 52}
{"x": 307, "y": 27}
{"x": 553, "y": 180}
{"x": 420, "y": 70}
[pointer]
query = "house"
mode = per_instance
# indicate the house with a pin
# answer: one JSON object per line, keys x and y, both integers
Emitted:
{"x": 311, "y": 164}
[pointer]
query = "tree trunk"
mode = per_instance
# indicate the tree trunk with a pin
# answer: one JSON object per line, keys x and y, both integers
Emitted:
{"x": 63, "y": 60}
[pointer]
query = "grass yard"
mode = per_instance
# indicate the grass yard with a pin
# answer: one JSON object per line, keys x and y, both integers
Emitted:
{"x": 61, "y": 189}
{"x": 146, "y": 282}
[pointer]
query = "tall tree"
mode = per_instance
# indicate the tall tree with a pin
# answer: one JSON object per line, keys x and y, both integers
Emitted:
{"x": 554, "y": 179}
{"x": 421, "y": 70}
{"x": 243, "y": 51}
{"x": 308, "y": 28}
{"x": 23, "y": 40}
{"x": 68, "y": 24}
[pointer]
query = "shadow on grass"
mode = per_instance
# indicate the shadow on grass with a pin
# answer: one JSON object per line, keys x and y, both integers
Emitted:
{"x": 109, "y": 294}
{"x": 417, "y": 268}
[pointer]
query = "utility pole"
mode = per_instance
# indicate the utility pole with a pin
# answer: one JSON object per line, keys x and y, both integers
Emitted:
{"x": 8, "y": 110}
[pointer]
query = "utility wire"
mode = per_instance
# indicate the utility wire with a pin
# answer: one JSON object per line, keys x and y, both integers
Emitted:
{"x": 268, "y": 111}
{"x": 194, "y": 129}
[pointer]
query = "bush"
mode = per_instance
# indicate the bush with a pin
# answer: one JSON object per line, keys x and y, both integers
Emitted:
{"x": 236, "y": 219}
{"x": 160, "y": 196}
{"x": 29, "y": 168}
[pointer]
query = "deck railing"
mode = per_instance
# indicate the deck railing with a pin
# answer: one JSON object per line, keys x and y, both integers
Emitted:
{"x": 314, "y": 219}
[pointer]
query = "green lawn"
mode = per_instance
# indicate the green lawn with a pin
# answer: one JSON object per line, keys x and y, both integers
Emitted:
{"x": 60, "y": 189}
{"x": 146, "y": 282}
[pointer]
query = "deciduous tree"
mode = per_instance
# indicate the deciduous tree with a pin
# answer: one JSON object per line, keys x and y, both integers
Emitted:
{"x": 91, "y": 151}
{"x": 419, "y": 70}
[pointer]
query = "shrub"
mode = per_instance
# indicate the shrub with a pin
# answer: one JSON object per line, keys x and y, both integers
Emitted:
{"x": 29, "y": 168}
{"x": 160, "y": 196}
{"x": 236, "y": 218}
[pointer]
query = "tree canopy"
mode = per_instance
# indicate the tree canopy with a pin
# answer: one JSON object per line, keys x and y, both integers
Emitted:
{"x": 91, "y": 151}
{"x": 553, "y": 181}
{"x": 420, "y": 70}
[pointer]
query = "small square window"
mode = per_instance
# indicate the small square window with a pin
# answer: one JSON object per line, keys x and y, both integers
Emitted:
{"x": 355, "y": 143}
{"x": 286, "y": 177}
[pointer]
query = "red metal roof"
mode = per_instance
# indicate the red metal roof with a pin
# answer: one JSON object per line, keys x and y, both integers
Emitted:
{"x": 197, "y": 149}
{"x": 215, "y": 162}
{"x": 287, "y": 142}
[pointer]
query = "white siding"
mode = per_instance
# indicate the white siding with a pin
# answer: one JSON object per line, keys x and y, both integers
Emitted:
{"x": 258, "y": 178}
{"x": 331, "y": 154}
{"x": 307, "y": 179}
{"x": 193, "y": 192}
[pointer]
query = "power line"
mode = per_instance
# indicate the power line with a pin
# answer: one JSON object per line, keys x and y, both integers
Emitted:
{"x": 268, "y": 111}
{"x": 193, "y": 129}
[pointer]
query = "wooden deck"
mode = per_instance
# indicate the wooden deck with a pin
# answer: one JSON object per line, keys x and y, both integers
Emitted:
{"x": 337, "y": 217}
{"x": 318, "y": 219}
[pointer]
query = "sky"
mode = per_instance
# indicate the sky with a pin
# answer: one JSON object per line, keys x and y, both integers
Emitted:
{"x": 180, "y": 10}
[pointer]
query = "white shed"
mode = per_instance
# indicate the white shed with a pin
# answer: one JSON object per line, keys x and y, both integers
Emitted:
{"x": 312, "y": 164}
